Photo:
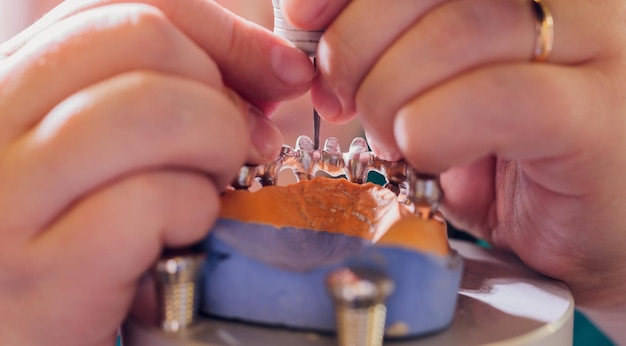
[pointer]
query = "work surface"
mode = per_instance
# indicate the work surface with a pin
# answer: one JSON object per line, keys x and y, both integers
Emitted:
{"x": 500, "y": 301}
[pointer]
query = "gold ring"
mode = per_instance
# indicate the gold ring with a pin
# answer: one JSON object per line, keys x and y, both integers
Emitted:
{"x": 545, "y": 30}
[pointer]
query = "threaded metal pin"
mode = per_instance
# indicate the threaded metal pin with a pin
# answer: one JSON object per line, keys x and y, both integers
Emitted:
{"x": 359, "y": 295}
{"x": 177, "y": 281}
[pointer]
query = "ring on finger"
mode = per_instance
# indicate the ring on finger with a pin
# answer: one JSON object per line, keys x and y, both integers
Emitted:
{"x": 544, "y": 40}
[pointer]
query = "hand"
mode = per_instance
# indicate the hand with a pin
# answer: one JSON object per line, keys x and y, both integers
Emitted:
{"x": 119, "y": 125}
{"x": 534, "y": 154}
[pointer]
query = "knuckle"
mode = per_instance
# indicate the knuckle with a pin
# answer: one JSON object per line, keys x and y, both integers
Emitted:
{"x": 150, "y": 29}
{"x": 149, "y": 19}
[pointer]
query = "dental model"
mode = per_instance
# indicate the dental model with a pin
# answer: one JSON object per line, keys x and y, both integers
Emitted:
{"x": 274, "y": 255}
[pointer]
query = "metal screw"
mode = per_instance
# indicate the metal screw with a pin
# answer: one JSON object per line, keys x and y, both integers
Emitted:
{"x": 359, "y": 295}
{"x": 177, "y": 277}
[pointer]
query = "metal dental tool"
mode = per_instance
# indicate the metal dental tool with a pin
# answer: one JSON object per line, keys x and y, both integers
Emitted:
{"x": 305, "y": 40}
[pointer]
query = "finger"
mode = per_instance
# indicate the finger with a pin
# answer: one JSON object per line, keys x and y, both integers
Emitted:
{"x": 531, "y": 113}
{"x": 143, "y": 213}
{"x": 353, "y": 42}
{"x": 469, "y": 202}
{"x": 265, "y": 136}
{"x": 110, "y": 50}
{"x": 130, "y": 123}
{"x": 312, "y": 15}
{"x": 254, "y": 62}
{"x": 485, "y": 32}
{"x": 435, "y": 35}
{"x": 482, "y": 31}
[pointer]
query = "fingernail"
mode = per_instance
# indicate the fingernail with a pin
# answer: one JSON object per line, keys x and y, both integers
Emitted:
{"x": 266, "y": 137}
{"x": 291, "y": 65}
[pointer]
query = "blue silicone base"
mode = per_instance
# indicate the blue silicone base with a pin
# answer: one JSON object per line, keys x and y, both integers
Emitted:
{"x": 258, "y": 273}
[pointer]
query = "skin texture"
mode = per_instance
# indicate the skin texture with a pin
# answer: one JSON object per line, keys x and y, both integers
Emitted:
{"x": 532, "y": 155}
{"x": 120, "y": 123}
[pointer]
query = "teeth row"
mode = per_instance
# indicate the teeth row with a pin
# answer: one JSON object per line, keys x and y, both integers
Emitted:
{"x": 412, "y": 187}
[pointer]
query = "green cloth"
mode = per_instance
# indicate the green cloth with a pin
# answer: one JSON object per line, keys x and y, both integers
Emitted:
{"x": 585, "y": 333}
